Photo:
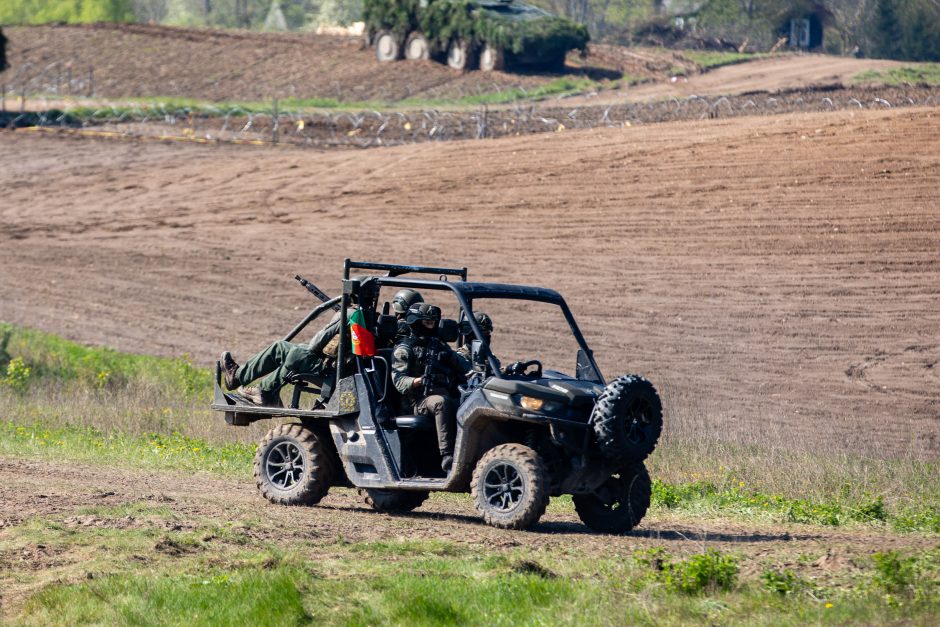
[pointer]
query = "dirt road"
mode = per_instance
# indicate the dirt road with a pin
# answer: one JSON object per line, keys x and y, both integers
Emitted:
{"x": 776, "y": 277}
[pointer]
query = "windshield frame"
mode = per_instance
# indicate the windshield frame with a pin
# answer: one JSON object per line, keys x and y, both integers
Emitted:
{"x": 467, "y": 292}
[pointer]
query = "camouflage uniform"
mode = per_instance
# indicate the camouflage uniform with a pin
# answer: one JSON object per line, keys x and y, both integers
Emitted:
{"x": 409, "y": 360}
{"x": 282, "y": 358}
{"x": 486, "y": 325}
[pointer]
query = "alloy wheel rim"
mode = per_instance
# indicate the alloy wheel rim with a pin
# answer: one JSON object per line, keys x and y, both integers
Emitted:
{"x": 503, "y": 487}
{"x": 285, "y": 465}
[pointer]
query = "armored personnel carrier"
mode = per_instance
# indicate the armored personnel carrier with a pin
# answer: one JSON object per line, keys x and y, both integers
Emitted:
{"x": 468, "y": 34}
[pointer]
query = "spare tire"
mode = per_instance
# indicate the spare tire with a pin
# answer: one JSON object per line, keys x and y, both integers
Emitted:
{"x": 628, "y": 419}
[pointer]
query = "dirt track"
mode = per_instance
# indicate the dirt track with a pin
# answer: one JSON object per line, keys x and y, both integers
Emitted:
{"x": 776, "y": 277}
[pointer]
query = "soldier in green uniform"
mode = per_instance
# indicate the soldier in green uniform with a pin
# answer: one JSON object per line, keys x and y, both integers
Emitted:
{"x": 486, "y": 326}
{"x": 424, "y": 393}
{"x": 278, "y": 361}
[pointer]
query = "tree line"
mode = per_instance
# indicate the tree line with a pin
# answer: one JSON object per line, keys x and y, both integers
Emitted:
{"x": 896, "y": 29}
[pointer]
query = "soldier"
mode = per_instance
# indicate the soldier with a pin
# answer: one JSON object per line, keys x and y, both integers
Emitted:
{"x": 486, "y": 326}
{"x": 426, "y": 389}
{"x": 403, "y": 300}
{"x": 281, "y": 359}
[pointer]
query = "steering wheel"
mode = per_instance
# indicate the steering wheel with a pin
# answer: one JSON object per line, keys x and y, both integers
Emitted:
{"x": 520, "y": 369}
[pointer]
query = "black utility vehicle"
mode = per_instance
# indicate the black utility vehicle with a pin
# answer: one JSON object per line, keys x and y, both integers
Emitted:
{"x": 525, "y": 432}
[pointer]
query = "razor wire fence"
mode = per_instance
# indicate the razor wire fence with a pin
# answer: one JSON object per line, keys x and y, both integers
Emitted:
{"x": 372, "y": 128}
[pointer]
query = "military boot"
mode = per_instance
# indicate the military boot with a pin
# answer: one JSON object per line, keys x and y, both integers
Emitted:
{"x": 230, "y": 368}
{"x": 257, "y": 396}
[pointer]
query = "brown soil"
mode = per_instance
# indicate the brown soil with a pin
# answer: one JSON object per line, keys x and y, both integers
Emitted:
{"x": 135, "y": 60}
{"x": 776, "y": 278}
{"x": 140, "y": 60}
{"x": 31, "y": 488}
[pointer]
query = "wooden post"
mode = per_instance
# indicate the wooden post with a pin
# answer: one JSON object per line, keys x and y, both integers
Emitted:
{"x": 274, "y": 121}
{"x": 68, "y": 77}
{"x": 91, "y": 82}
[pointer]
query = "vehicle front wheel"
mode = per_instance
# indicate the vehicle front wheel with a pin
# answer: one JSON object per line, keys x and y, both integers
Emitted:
{"x": 292, "y": 466}
{"x": 619, "y": 504}
{"x": 510, "y": 486}
{"x": 393, "y": 500}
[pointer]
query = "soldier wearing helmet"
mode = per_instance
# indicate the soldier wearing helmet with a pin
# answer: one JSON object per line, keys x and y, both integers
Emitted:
{"x": 486, "y": 326}
{"x": 427, "y": 389}
{"x": 275, "y": 364}
{"x": 403, "y": 300}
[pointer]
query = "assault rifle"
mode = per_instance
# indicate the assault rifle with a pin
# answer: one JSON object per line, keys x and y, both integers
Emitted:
{"x": 434, "y": 376}
{"x": 316, "y": 291}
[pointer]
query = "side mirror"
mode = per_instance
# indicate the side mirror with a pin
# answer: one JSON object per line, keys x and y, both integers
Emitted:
{"x": 478, "y": 355}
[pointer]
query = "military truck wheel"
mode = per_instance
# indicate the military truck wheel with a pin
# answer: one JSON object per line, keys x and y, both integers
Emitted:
{"x": 492, "y": 58}
{"x": 628, "y": 419}
{"x": 510, "y": 486}
{"x": 417, "y": 47}
{"x": 619, "y": 504}
{"x": 292, "y": 466}
{"x": 393, "y": 500}
{"x": 461, "y": 55}
{"x": 387, "y": 46}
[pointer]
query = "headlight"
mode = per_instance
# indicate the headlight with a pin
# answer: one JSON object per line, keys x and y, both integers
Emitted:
{"x": 531, "y": 403}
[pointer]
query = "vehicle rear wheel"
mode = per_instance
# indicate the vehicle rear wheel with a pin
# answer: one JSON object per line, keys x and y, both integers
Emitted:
{"x": 510, "y": 486}
{"x": 393, "y": 500}
{"x": 292, "y": 466}
{"x": 461, "y": 55}
{"x": 417, "y": 47}
{"x": 619, "y": 504}
{"x": 492, "y": 58}
{"x": 387, "y": 46}
{"x": 628, "y": 419}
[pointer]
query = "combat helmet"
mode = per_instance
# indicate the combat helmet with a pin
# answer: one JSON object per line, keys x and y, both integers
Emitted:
{"x": 404, "y": 299}
{"x": 423, "y": 311}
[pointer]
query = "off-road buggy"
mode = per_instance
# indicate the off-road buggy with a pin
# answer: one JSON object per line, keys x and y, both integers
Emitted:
{"x": 524, "y": 432}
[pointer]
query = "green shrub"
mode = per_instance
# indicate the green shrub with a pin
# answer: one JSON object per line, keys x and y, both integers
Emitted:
{"x": 17, "y": 375}
{"x": 705, "y": 572}
{"x": 783, "y": 582}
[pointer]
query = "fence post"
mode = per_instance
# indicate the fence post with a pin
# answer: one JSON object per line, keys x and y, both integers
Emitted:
{"x": 68, "y": 77}
{"x": 91, "y": 82}
{"x": 274, "y": 122}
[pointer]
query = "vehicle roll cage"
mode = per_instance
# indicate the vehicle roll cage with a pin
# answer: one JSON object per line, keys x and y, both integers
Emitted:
{"x": 463, "y": 290}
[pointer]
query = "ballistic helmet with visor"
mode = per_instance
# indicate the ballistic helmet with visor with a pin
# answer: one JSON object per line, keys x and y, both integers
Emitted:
{"x": 404, "y": 299}
{"x": 423, "y": 311}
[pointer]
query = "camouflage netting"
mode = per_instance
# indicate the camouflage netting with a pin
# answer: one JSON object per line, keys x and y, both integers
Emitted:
{"x": 517, "y": 28}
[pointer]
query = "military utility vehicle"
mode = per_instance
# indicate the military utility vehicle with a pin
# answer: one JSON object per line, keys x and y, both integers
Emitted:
{"x": 525, "y": 432}
{"x": 489, "y": 34}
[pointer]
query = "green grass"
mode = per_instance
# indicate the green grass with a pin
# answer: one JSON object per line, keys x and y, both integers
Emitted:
{"x": 157, "y": 107}
{"x": 351, "y": 583}
{"x": 920, "y": 74}
{"x": 62, "y": 400}
{"x": 709, "y": 60}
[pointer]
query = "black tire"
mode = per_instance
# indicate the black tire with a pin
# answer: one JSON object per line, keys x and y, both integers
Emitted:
{"x": 387, "y": 46}
{"x": 510, "y": 486}
{"x": 461, "y": 55}
{"x": 628, "y": 419}
{"x": 292, "y": 466}
{"x": 417, "y": 47}
{"x": 393, "y": 500}
{"x": 619, "y": 504}
{"x": 492, "y": 58}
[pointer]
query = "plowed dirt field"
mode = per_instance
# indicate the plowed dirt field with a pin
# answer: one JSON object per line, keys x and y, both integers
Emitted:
{"x": 778, "y": 278}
